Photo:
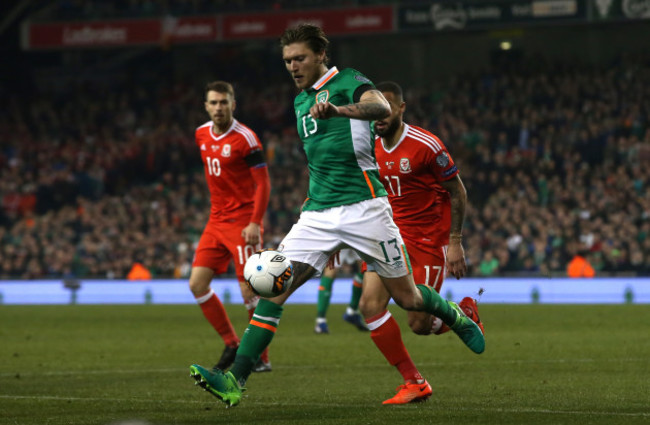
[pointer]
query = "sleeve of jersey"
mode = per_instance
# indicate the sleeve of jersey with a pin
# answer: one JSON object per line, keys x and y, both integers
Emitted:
{"x": 442, "y": 165}
{"x": 358, "y": 84}
{"x": 262, "y": 192}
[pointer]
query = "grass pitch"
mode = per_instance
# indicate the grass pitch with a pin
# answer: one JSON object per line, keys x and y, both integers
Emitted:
{"x": 110, "y": 364}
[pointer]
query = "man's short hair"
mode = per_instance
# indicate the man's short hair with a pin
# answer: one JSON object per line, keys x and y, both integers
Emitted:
{"x": 309, "y": 34}
{"x": 391, "y": 87}
{"x": 220, "y": 87}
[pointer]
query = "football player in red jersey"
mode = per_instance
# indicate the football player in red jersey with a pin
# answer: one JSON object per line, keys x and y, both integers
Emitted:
{"x": 428, "y": 200}
{"x": 238, "y": 180}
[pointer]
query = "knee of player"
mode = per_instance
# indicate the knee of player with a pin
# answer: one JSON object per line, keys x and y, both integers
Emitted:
{"x": 369, "y": 307}
{"x": 199, "y": 286}
{"x": 373, "y": 301}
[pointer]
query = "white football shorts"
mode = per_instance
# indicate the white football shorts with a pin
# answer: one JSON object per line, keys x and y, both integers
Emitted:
{"x": 366, "y": 227}
{"x": 345, "y": 256}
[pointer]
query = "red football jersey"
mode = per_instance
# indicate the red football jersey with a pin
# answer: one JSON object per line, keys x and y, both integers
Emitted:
{"x": 227, "y": 173}
{"x": 411, "y": 172}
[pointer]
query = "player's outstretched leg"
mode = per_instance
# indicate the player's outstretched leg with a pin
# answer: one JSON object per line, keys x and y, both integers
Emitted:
{"x": 222, "y": 385}
{"x": 467, "y": 330}
{"x": 411, "y": 393}
{"x": 470, "y": 308}
{"x": 454, "y": 317}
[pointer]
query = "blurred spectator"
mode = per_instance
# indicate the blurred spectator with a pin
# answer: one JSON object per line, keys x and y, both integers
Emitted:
{"x": 579, "y": 266}
{"x": 489, "y": 265}
{"x": 138, "y": 272}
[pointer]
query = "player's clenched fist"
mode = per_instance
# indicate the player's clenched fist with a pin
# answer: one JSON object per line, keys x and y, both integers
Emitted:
{"x": 323, "y": 110}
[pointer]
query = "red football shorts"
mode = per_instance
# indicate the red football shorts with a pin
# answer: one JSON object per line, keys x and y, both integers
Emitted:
{"x": 221, "y": 243}
{"x": 429, "y": 264}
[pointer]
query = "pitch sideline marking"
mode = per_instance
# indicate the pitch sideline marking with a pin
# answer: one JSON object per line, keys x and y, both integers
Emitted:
{"x": 175, "y": 370}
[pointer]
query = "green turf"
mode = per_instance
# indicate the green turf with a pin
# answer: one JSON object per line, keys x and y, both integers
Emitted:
{"x": 104, "y": 364}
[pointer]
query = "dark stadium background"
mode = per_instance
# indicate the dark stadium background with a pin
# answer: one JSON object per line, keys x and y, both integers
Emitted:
{"x": 544, "y": 105}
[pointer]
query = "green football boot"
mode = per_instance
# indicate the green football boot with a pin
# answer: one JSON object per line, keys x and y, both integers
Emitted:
{"x": 222, "y": 385}
{"x": 468, "y": 331}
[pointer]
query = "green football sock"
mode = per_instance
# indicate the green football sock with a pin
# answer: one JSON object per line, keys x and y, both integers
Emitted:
{"x": 257, "y": 337}
{"x": 437, "y": 305}
{"x": 356, "y": 291}
{"x": 324, "y": 295}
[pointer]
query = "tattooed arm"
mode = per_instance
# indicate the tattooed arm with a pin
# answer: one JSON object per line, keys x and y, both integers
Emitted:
{"x": 371, "y": 106}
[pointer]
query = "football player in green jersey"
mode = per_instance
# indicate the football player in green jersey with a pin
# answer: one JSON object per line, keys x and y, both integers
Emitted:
{"x": 347, "y": 204}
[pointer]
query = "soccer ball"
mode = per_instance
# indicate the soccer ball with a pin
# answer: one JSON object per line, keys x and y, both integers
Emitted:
{"x": 268, "y": 273}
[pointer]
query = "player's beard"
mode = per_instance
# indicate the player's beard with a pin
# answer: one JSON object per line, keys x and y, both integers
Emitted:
{"x": 390, "y": 129}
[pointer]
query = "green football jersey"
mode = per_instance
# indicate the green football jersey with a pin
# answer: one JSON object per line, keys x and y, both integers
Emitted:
{"x": 340, "y": 151}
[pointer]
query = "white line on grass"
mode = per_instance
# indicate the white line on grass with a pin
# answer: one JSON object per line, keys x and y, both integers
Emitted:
{"x": 93, "y": 372}
{"x": 337, "y": 404}
{"x": 346, "y": 366}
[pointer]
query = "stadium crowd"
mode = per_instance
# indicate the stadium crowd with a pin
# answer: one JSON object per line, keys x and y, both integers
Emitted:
{"x": 555, "y": 164}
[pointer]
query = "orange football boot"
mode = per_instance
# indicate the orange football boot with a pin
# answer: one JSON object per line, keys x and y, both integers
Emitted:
{"x": 411, "y": 393}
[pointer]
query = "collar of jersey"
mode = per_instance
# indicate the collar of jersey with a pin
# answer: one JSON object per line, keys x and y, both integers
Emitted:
{"x": 325, "y": 78}
{"x": 221, "y": 136}
{"x": 399, "y": 142}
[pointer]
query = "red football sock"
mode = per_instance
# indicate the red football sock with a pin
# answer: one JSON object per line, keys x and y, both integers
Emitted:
{"x": 387, "y": 336}
{"x": 214, "y": 311}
